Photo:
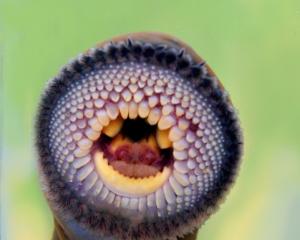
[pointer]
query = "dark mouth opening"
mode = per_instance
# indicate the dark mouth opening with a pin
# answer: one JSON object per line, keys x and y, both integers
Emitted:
{"x": 134, "y": 151}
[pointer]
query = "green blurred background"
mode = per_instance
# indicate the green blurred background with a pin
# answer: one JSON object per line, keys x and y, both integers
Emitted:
{"x": 252, "y": 45}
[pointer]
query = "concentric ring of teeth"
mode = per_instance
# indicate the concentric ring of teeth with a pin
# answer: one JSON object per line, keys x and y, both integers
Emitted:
{"x": 100, "y": 102}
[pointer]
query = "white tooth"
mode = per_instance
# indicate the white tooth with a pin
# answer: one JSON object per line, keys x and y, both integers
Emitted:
{"x": 77, "y": 136}
{"x": 151, "y": 200}
{"x": 133, "y": 80}
{"x": 118, "y": 88}
{"x": 192, "y": 179}
{"x": 102, "y": 117}
{"x": 142, "y": 204}
{"x": 148, "y": 91}
{"x": 84, "y": 172}
{"x": 81, "y": 152}
{"x": 166, "y": 122}
{"x": 180, "y": 155}
{"x": 113, "y": 128}
{"x": 191, "y": 164}
{"x": 153, "y": 100}
{"x": 104, "y": 94}
{"x": 110, "y": 198}
{"x": 133, "y": 203}
{"x": 79, "y": 162}
{"x": 169, "y": 193}
{"x": 181, "y": 166}
{"x": 164, "y": 100}
{"x": 133, "y": 88}
{"x": 187, "y": 191}
{"x": 143, "y": 109}
{"x": 112, "y": 111}
{"x": 90, "y": 181}
{"x": 89, "y": 104}
{"x": 92, "y": 134}
{"x": 154, "y": 116}
{"x": 190, "y": 137}
{"x": 114, "y": 96}
{"x": 192, "y": 152}
{"x": 95, "y": 124}
{"x": 162, "y": 139}
{"x": 124, "y": 202}
{"x": 81, "y": 124}
{"x": 117, "y": 201}
{"x": 183, "y": 124}
{"x": 97, "y": 188}
{"x": 70, "y": 158}
{"x": 176, "y": 186}
{"x": 95, "y": 95}
{"x": 124, "y": 82}
{"x": 158, "y": 89}
{"x": 175, "y": 134}
{"x": 133, "y": 110}
{"x": 179, "y": 111}
{"x": 167, "y": 109}
{"x": 85, "y": 143}
{"x": 175, "y": 100}
{"x": 160, "y": 199}
{"x": 181, "y": 178}
{"x": 109, "y": 87}
{"x": 123, "y": 106}
{"x": 138, "y": 96}
{"x": 104, "y": 193}
{"x": 126, "y": 95}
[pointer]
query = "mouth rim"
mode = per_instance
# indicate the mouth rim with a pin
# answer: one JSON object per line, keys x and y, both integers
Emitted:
{"x": 55, "y": 185}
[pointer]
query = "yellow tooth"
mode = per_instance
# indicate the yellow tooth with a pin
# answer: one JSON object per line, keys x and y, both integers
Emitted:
{"x": 127, "y": 186}
{"x": 113, "y": 127}
{"x": 162, "y": 138}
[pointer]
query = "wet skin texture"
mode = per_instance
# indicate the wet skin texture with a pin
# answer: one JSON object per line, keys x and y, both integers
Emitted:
{"x": 192, "y": 150}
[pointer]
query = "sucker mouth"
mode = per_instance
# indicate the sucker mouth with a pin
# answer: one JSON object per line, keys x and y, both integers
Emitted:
{"x": 141, "y": 131}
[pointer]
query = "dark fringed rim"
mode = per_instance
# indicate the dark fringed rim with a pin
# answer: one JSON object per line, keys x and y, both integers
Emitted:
{"x": 165, "y": 52}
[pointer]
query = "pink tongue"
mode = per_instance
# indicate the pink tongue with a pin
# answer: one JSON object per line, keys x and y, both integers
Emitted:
{"x": 139, "y": 170}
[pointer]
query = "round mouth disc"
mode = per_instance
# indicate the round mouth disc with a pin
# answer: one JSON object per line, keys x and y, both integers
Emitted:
{"x": 137, "y": 139}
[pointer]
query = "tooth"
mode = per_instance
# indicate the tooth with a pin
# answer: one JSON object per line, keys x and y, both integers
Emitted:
{"x": 79, "y": 162}
{"x": 176, "y": 186}
{"x": 133, "y": 110}
{"x": 169, "y": 193}
{"x": 160, "y": 199}
{"x": 92, "y": 134}
{"x": 104, "y": 94}
{"x": 151, "y": 200}
{"x": 110, "y": 198}
{"x": 191, "y": 164}
{"x": 181, "y": 166}
{"x": 179, "y": 111}
{"x": 126, "y": 95}
{"x": 181, "y": 178}
{"x": 167, "y": 109}
{"x": 163, "y": 139}
{"x": 124, "y": 202}
{"x": 138, "y": 96}
{"x": 187, "y": 191}
{"x": 183, "y": 124}
{"x": 95, "y": 124}
{"x": 154, "y": 116}
{"x": 133, "y": 80}
{"x": 118, "y": 88}
{"x": 153, "y": 100}
{"x": 114, "y": 96}
{"x": 192, "y": 179}
{"x": 104, "y": 193}
{"x": 85, "y": 143}
{"x": 89, "y": 104}
{"x": 90, "y": 181}
{"x": 112, "y": 111}
{"x": 84, "y": 171}
{"x": 143, "y": 109}
{"x": 123, "y": 106}
{"x": 192, "y": 152}
{"x": 142, "y": 204}
{"x": 117, "y": 201}
{"x": 180, "y": 155}
{"x": 133, "y": 88}
{"x": 81, "y": 152}
{"x": 133, "y": 203}
{"x": 175, "y": 100}
{"x": 190, "y": 137}
{"x": 97, "y": 188}
{"x": 77, "y": 136}
{"x": 164, "y": 100}
{"x": 175, "y": 134}
{"x": 102, "y": 117}
{"x": 166, "y": 122}
{"x": 148, "y": 91}
{"x": 113, "y": 128}
{"x": 70, "y": 158}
